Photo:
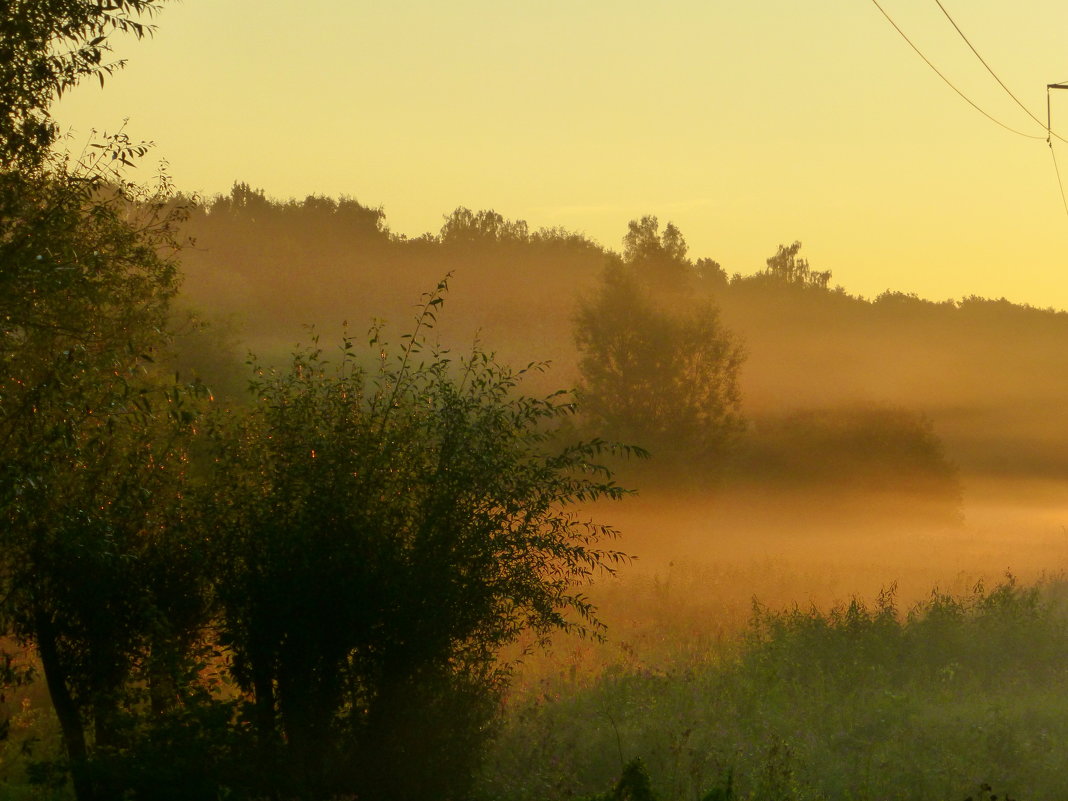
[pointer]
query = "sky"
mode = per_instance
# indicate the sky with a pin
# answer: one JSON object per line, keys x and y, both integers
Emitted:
{"x": 747, "y": 123}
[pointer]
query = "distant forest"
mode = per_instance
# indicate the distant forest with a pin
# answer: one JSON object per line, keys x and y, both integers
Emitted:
{"x": 985, "y": 376}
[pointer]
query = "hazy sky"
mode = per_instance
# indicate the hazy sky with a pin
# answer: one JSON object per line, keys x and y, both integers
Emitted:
{"x": 748, "y": 123}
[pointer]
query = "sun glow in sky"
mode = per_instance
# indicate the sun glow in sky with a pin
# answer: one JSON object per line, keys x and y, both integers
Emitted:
{"x": 746, "y": 123}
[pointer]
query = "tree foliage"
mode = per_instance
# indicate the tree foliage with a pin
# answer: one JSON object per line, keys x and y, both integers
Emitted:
{"x": 464, "y": 226}
{"x": 658, "y": 367}
{"x": 657, "y": 258}
{"x": 387, "y": 530}
{"x": 788, "y": 268}
{"x": 47, "y": 47}
{"x": 95, "y": 573}
{"x": 87, "y": 256}
{"x": 316, "y": 215}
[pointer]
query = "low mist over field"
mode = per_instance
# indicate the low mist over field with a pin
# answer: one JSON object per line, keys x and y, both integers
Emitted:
{"x": 975, "y": 383}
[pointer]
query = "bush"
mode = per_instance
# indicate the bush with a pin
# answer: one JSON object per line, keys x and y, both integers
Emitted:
{"x": 383, "y": 532}
{"x": 856, "y": 702}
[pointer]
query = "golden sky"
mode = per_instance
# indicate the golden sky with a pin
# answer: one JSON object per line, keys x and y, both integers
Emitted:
{"x": 748, "y": 123}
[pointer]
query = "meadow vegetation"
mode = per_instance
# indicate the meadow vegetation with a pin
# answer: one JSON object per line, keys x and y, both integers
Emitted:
{"x": 858, "y": 701}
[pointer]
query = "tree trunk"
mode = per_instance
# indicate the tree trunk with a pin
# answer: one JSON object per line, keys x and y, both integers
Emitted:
{"x": 305, "y": 714}
{"x": 70, "y": 720}
{"x": 265, "y": 718}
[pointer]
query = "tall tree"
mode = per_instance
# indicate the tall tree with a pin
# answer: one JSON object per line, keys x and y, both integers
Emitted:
{"x": 88, "y": 436}
{"x": 658, "y": 367}
{"x": 387, "y": 533}
{"x": 90, "y": 444}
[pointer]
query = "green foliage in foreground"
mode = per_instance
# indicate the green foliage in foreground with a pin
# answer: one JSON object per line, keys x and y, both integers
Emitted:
{"x": 369, "y": 540}
{"x": 383, "y": 533}
{"x": 857, "y": 703}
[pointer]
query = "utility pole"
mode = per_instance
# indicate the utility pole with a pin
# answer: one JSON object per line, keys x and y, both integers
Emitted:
{"x": 1049, "y": 140}
{"x": 1049, "y": 124}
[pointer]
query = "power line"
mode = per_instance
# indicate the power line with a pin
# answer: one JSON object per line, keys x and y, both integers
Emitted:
{"x": 1050, "y": 133}
{"x": 948, "y": 82}
{"x": 1049, "y": 140}
{"x": 1001, "y": 83}
{"x": 1048, "y": 126}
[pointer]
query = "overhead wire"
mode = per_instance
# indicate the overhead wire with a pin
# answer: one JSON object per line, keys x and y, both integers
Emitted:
{"x": 1050, "y": 133}
{"x": 948, "y": 82}
{"x": 1001, "y": 83}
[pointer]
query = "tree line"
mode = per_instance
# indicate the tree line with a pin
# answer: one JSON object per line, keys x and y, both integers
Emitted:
{"x": 811, "y": 348}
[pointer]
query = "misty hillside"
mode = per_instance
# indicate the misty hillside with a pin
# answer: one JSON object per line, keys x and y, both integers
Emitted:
{"x": 280, "y": 266}
{"x": 987, "y": 373}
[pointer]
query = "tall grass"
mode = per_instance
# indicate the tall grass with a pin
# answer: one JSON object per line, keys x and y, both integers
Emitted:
{"x": 861, "y": 702}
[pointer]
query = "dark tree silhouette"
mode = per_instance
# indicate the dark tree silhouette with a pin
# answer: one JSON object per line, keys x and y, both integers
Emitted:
{"x": 91, "y": 435}
{"x": 787, "y": 267}
{"x": 385, "y": 533}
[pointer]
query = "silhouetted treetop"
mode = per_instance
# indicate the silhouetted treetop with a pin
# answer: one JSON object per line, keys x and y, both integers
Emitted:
{"x": 661, "y": 374}
{"x": 711, "y": 273}
{"x": 464, "y": 226}
{"x": 345, "y": 214}
{"x": 657, "y": 258}
{"x": 787, "y": 267}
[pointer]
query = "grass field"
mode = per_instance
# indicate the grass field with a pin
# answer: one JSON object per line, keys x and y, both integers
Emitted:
{"x": 750, "y": 656}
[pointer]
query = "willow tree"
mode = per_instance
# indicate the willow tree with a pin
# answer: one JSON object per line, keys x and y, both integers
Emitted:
{"x": 387, "y": 530}
{"x": 46, "y": 48}
{"x": 91, "y": 445}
